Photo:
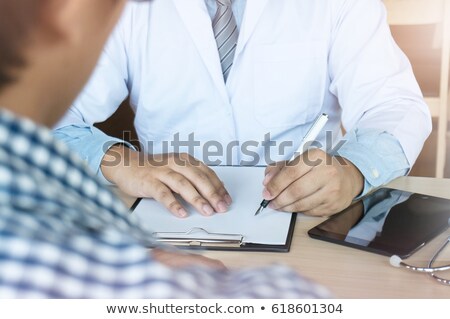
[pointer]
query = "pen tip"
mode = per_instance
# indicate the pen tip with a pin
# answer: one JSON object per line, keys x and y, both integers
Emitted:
{"x": 260, "y": 209}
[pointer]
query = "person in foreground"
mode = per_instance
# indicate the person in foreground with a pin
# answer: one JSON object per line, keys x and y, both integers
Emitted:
{"x": 63, "y": 234}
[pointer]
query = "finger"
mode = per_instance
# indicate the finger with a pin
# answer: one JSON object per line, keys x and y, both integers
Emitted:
{"x": 308, "y": 203}
{"x": 218, "y": 184}
{"x": 330, "y": 207}
{"x": 320, "y": 211}
{"x": 273, "y": 170}
{"x": 182, "y": 186}
{"x": 285, "y": 177}
{"x": 303, "y": 187}
{"x": 294, "y": 170}
{"x": 164, "y": 195}
{"x": 203, "y": 182}
{"x": 324, "y": 210}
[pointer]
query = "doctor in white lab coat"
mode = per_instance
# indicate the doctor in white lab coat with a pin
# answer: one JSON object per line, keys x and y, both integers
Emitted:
{"x": 294, "y": 59}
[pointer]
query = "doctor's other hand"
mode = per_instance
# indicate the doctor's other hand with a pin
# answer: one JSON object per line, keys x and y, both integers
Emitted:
{"x": 164, "y": 175}
{"x": 315, "y": 183}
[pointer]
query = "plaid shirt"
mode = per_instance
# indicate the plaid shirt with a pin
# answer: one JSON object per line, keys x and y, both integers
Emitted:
{"x": 64, "y": 235}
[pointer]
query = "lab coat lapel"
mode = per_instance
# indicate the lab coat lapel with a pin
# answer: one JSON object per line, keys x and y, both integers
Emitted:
{"x": 195, "y": 16}
{"x": 253, "y": 11}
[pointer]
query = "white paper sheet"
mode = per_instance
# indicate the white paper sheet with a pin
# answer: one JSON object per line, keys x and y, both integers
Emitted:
{"x": 245, "y": 187}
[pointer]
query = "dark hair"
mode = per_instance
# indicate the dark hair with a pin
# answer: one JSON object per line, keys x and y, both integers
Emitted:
{"x": 17, "y": 18}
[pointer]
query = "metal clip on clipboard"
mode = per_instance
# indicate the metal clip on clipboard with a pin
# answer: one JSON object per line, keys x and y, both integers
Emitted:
{"x": 199, "y": 237}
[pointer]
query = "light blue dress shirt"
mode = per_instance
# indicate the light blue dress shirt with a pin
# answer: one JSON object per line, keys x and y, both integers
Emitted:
{"x": 377, "y": 154}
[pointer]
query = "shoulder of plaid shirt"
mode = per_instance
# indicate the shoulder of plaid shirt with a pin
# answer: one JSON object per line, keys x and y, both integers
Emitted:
{"x": 64, "y": 235}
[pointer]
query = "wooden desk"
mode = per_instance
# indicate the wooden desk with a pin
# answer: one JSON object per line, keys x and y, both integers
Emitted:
{"x": 351, "y": 273}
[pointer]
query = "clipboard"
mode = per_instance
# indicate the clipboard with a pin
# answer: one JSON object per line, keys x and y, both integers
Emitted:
{"x": 221, "y": 232}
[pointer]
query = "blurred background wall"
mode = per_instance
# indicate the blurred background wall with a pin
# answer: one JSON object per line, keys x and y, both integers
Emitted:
{"x": 422, "y": 29}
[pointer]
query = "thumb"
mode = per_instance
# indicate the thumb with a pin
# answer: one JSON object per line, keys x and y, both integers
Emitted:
{"x": 272, "y": 170}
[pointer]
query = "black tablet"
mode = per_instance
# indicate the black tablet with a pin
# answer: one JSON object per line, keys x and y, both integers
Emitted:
{"x": 387, "y": 222}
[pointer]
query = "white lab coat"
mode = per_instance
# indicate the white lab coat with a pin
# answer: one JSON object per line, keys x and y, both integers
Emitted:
{"x": 294, "y": 60}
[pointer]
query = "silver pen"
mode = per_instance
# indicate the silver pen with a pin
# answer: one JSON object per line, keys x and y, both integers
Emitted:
{"x": 310, "y": 136}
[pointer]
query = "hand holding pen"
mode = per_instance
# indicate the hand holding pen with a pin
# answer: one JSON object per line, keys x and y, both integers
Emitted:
{"x": 310, "y": 136}
{"x": 316, "y": 184}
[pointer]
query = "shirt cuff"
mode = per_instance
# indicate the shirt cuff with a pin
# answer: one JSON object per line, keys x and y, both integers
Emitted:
{"x": 378, "y": 156}
{"x": 90, "y": 144}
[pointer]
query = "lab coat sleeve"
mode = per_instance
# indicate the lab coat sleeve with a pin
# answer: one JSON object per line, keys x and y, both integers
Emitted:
{"x": 374, "y": 83}
{"x": 105, "y": 91}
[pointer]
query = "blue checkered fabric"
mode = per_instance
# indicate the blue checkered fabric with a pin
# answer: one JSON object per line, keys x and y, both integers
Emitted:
{"x": 64, "y": 235}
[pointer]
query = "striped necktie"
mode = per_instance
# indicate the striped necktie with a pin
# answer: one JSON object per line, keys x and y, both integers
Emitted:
{"x": 226, "y": 34}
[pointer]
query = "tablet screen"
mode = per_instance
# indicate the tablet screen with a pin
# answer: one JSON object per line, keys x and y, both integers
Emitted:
{"x": 388, "y": 222}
